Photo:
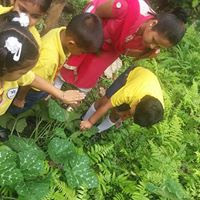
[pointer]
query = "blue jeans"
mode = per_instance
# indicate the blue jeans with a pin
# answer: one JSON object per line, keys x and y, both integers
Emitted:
{"x": 31, "y": 99}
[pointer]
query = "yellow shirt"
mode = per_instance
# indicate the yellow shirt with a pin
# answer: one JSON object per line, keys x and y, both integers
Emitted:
{"x": 52, "y": 55}
{"x": 10, "y": 89}
{"x": 140, "y": 82}
{"x": 32, "y": 29}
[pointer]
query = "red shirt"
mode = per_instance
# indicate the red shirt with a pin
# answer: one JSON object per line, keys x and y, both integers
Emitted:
{"x": 119, "y": 35}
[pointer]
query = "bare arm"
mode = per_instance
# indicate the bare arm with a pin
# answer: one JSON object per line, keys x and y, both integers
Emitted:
{"x": 105, "y": 9}
{"x": 101, "y": 112}
{"x": 96, "y": 116}
{"x": 19, "y": 101}
{"x": 23, "y": 91}
{"x": 68, "y": 97}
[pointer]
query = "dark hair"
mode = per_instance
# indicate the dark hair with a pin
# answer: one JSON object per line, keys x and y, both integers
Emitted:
{"x": 148, "y": 111}
{"x": 29, "y": 53}
{"x": 7, "y": 17}
{"x": 87, "y": 31}
{"x": 43, "y": 4}
{"x": 171, "y": 25}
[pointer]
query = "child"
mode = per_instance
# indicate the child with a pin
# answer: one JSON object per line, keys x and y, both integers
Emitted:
{"x": 83, "y": 34}
{"x": 18, "y": 54}
{"x": 130, "y": 28}
{"x": 135, "y": 93}
{"x": 34, "y": 9}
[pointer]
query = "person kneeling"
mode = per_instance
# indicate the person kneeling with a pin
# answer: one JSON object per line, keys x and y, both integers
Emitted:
{"x": 135, "y": 93}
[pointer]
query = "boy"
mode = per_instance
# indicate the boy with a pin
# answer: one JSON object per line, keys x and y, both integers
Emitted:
{"x": 83, "y": 34}
{"x": 135, "y": 93}
{"x": 131, "y": 28}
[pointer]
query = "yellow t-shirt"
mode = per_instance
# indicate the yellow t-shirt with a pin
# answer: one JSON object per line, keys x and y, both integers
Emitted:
{"x": 10, "y": 89}
{"x": 140, "y": 82}
{"x": 5, "y": 9}
{"x": 32, "y": 29}
{"x": 52, "y": 55}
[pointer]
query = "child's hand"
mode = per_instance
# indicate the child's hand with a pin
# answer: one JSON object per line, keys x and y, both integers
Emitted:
{"x": 85, "y": 125}
{"x": 154, "y": 53}
{"x": 19, "y": 102}
{"x": 72, "y": 96}
{"x": 76, "y": 105}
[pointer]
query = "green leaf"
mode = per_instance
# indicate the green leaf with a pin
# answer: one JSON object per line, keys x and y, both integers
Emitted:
{"x": 195, "y": 3}
{"x": 31, "y": 157}
{"x": 10, "y": 175}
{"x": 60, "y": 133}
{"x": 60, "y": 150}
{"x": 20, "y": 144}
{"x": 56, "y": 112}
{"x": 87, "y": 133}
{"x": 33, "y": 190}
{"x": 5, "y": 119}
{"x": 74, "y": 116}
{"x": 170, "y": 189}
{"x": 31, "y": 164}
{"x": 90, "y": 132}
{"x": 72, "y": 180}
{"x": 79, "y": 173}
{"x": 4, "y": 148}
{"x": 21, "y": 125}
{"x": 174, "y": 190}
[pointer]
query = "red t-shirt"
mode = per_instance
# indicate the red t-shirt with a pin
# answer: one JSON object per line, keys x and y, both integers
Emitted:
{"x": 89, "y": 67}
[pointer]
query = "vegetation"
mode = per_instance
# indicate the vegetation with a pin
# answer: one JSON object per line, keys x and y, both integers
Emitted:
{"x": 52, "y": 160}
{"x": 191, "y": 6}
{"x": 162, "y": 162}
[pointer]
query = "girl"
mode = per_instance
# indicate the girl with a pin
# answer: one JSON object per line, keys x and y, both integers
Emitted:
{"x": 130, "y": 28}
{"x": 18, "y": 54}
{"x": 34, "y": 9}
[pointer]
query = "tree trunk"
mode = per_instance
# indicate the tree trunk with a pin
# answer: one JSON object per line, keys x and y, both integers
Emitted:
{"x": 54, "y": 14}
{"x": 6, "y": 2}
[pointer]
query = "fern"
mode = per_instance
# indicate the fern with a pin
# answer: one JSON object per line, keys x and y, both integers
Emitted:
{"x": 140, "y": 193}
{"x": 119, "y": 196}
{"x": 64, "y": 191}
{"x": 6, "y": 191}
{"x": 82, "y": 194}
{"x": 98, "y": 152}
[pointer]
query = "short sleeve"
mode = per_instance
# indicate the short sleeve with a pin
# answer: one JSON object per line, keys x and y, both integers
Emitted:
{"x": 119, "y": 98}
{"x": 26, "y": 79}
{"x": 45, "y": 70}
{"x": 4, "y": 10}
{"x": 47, "y": 64}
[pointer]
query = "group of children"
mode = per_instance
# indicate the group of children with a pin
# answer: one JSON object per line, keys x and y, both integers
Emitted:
{"x": 79, "y": 53}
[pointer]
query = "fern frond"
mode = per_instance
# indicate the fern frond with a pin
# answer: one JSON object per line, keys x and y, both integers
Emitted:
{"x": 141, "y": 193}
{"x": 81, "y": 194}
{"x": 119, "y": 196}
{"x": 64, "y": 190}
{"x": 6, "y": 191}
{"x": 99, "y": 152}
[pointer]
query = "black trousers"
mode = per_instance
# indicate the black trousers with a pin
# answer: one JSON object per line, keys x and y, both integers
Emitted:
{"x": 118, "y": 84}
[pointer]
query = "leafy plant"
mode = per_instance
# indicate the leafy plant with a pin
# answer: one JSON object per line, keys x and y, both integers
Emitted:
{"x": 158, "y": 163}
{"x": 76, "y": 167}
{"x": 24, "y": 167}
